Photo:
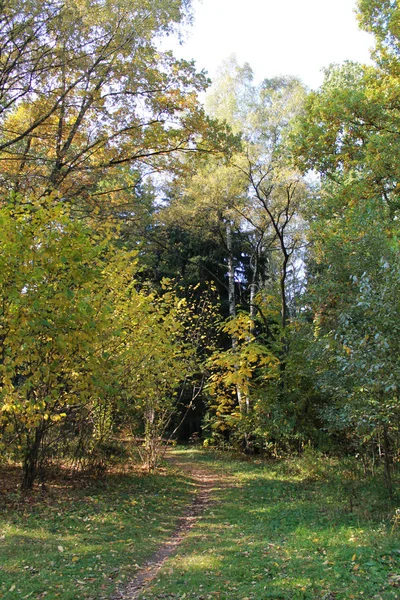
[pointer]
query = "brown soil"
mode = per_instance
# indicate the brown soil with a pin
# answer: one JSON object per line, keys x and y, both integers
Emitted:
{"x": 205, "y": 483}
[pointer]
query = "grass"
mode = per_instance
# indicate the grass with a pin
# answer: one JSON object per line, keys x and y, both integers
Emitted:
{"x": 82, "y": 540}
{"x": 290, "y": 530}
{"x": 305, "y": 529}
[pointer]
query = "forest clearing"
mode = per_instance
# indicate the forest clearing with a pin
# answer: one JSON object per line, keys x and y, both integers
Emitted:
{"x": 294, "y": 529}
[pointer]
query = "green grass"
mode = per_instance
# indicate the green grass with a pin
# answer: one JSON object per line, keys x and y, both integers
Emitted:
{"x": 305, "y": 529}
{"x": 81, "y": 541}
{"x": 300, "y": 529}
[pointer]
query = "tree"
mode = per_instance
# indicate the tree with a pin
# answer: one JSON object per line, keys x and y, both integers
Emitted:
{"x": 349, "y": 134}
{"x": 357, "y": 362}
{"x": 382, "y": 19}
{"x": 84, "y": 91}
{"x": 51, "y": 319}
{"x": 238, "y": 376}
{"x": 264, "y": 115}
{"x": 153, "y": 358}
{"x": 203, "y": 205}
{"x": 84, "y": 348}
{"x": 216, "y": 203}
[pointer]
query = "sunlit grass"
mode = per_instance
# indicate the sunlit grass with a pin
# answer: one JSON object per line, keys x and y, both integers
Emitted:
{"x": 83, "y": 542}
{"x": 288, "y": 532}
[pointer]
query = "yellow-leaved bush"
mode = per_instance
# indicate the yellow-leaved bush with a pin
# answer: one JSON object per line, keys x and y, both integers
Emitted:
{"x": 80, "y": 342}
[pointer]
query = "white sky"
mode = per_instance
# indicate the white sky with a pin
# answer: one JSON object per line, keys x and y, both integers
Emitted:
{"x": 276, "y": 37}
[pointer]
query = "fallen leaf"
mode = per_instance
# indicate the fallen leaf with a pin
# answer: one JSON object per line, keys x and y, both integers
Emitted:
{"x": 394, "y": 580}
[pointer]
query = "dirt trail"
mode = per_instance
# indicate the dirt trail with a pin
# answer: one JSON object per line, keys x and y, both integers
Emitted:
{"x": 205, "y": 483}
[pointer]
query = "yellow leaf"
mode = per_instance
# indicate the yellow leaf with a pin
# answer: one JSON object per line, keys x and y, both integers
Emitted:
{"x": 354, "y": 557}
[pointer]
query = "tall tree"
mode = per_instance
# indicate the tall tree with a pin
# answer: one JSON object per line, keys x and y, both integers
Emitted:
{"x": 349, "y": 133}
{"x": 268, "y": 213}
{"x": 263, "y": 113}
{"x": 84, "y": 89}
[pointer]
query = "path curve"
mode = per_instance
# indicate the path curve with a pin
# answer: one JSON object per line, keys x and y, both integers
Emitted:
{"x": 205, "y": 482}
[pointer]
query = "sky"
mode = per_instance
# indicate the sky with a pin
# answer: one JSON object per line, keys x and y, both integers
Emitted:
{"x": 276, "y": 37}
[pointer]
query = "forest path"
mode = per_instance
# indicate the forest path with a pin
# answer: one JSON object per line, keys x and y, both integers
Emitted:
{"x": 205, "y": 482}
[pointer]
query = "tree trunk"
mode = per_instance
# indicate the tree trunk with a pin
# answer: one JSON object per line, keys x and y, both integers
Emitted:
{"x": 253, "y": 292}
{"x": 31, "y": 460}
{"x": 284, "y": 322}
{"x": 150, "y": 440}
{"x": 231, "y": 276}
{"x": 387, "y": 468}
{"x": 243, "y": 399}
{"x": 284, "y": 305}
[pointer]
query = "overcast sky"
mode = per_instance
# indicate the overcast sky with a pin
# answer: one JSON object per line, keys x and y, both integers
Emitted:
{"x": 276, "y": 37}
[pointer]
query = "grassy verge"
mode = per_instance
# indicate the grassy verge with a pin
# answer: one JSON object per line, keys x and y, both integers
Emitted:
{"x": 81, "y": 540}
{"x": 305, "y": 530}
